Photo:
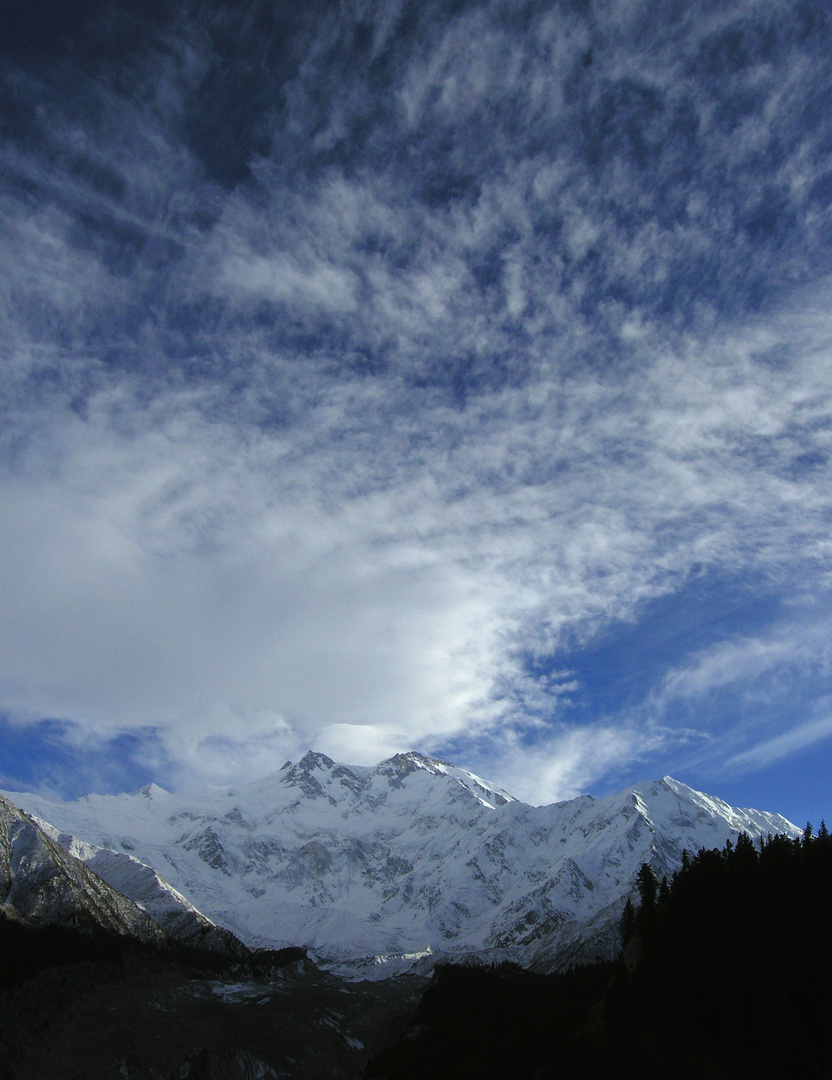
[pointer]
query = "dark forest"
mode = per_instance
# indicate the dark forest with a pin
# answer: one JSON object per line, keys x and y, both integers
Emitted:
{"x": 725, "y": 972}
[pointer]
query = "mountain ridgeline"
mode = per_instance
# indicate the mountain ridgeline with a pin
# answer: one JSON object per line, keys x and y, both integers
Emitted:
{"x": 375, "y": 868}
{"x": 116, "y": 919}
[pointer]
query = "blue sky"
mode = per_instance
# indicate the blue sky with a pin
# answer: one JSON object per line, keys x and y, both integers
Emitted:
{"x": 447, "y": 376}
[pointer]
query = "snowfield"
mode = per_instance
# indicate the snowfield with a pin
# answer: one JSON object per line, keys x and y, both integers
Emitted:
{"x": 410, "y": 859}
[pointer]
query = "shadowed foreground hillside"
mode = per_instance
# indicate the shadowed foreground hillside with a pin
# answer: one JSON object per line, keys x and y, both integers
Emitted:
{"x": 98, "y": 1006}
{"x": 726, "y": 972}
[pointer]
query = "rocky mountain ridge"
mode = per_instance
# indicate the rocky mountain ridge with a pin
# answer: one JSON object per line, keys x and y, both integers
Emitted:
{"x": 413, "y": 856}
{"x": 43, "y": 885}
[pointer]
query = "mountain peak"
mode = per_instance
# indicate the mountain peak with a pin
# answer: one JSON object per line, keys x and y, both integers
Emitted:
{"x": 152, "y": 791}
{"x": 317, "y": 775}
{"x": 410, "y": 761}
{"x": 410, "y": 853}
{"x": 313, "y": 759}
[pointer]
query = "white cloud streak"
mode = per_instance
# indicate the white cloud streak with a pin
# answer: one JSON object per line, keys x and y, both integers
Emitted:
{"x": 377, "y": 432}
{"x": 188, "y": 574}
{"x": 782, "y": 746}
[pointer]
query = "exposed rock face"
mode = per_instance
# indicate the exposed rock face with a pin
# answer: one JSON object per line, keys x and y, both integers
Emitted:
{"x": 43, "y": 884}
{"x": 410, "y": 857}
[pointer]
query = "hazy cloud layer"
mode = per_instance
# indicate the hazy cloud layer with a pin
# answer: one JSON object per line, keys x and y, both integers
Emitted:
{"x": 365, "y": 367}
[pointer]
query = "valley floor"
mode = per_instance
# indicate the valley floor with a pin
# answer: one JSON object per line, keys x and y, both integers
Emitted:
{"x": 158, "y": 1022}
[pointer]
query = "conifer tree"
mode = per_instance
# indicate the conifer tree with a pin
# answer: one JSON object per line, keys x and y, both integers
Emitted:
{"x": 628, "y": 921}
{"x": 648, "y": 888}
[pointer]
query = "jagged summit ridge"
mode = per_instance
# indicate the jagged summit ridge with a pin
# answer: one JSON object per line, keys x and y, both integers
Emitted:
{"x": 318, "y": 776}
{"x": 409, "y": 855}
{"x": 153, "y": 791}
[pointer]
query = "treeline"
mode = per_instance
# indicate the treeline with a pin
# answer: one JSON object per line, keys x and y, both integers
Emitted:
{"x": 725, "y": 972}
{"x": 731, "y": 962}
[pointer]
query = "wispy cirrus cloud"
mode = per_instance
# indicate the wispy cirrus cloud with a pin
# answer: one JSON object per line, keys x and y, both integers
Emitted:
{"x": 188, "y": 568}
{"x": 358, "y": 371}
{"x": 784, "y": 745}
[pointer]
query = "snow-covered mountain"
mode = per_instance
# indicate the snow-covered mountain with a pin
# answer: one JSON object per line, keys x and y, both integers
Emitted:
{"x": 44, "y": 885}
{"x": 168, "y": 908}
{"x": 410, "y": 856}
{"x": 49, "y": 879}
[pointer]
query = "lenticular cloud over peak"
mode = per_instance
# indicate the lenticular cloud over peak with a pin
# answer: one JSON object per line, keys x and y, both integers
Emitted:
{"x": 400, "y": 377}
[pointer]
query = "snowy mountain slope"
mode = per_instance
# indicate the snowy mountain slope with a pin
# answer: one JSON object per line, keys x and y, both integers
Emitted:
{"x": 410, "y": 855}
{"x": 44, "y": 885}
{"x": 168, "y": 908}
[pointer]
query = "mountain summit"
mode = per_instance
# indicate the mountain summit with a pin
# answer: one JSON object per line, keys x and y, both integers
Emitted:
{"x": 317, "y": 775}
{"x": 410, "y": 856}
